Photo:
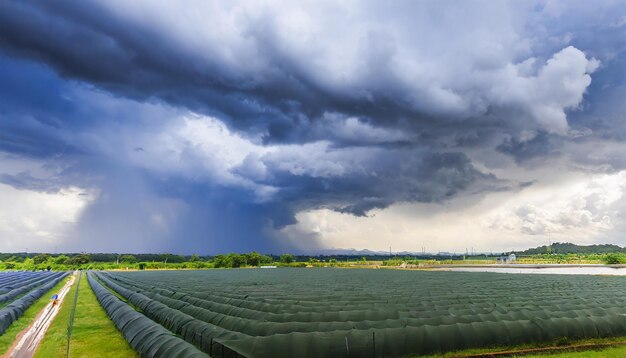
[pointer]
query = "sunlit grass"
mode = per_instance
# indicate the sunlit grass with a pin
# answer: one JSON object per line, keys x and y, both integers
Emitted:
{"x": 93, "y": 334}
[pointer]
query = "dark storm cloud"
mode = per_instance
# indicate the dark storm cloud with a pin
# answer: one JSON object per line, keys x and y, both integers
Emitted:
{"x": 350, "y": 109}
{"x": 542, "y": 146}
{"x": 280, "y": 90}
{"x": 394, "y": 176}
{"x": 86, "y": 42}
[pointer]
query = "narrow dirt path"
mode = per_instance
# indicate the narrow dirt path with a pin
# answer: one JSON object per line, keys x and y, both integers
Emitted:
{"x": 28, "y": 340}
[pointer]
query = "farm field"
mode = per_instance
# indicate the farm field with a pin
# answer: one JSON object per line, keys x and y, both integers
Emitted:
{"x": 18, "y": 290}
{"x": 24, "y": 295}
{"x": 93, "y": 333}
{"x": 335, "y": 312}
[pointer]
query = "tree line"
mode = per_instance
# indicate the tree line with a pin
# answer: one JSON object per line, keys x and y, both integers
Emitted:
{"x": 140, "y": 261}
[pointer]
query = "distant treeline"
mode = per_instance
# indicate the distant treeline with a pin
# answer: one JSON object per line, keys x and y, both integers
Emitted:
{"x": 569, "y": 248}
{"x": 173, "y": 258}
{"x": 559, "y": 252}
{"x": 108, "y": 261}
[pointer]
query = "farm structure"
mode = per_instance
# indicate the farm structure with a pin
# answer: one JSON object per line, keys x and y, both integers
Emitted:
{"x": 353, "y": 313}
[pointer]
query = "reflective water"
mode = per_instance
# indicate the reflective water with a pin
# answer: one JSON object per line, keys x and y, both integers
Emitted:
{"x": 562, "y": 270}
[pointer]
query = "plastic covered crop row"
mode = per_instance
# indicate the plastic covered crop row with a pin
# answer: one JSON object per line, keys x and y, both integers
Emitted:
{"x": 22, "y": 280}
{"x": 143, "y": 334}
{"x": 9, "y": 279}
{"x": 194, "y": 331}
{"x": 23, "y": 289}
{"x": 16, "y": 309}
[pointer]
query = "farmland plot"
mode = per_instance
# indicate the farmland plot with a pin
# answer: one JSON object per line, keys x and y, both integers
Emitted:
{"x": 339, "y": 312}
{"x": 18, "y": 290}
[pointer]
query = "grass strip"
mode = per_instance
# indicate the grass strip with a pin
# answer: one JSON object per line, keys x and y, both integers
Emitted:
{"x": 93, "y": 333}
{"x": 599, "y": 353}
{"x": 7, "y": 339}
{"x": 588, "y": 347}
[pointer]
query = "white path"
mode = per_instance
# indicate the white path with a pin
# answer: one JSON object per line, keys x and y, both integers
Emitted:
{"x": 28, "y": 343}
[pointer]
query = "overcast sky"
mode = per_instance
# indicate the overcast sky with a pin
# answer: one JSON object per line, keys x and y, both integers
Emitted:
{"x": 283, "y": 126}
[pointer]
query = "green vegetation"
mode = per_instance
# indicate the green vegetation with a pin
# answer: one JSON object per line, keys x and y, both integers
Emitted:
{"x": 8, "y": 338}
{"x": 602, "y": 353}
{"x": 558, "y": 253}
{"x": 93, "y": 333}
{"x": 569, "y": 248}
{"x": 241, "y": 260}
{"x": 565, "y": 348}
{"x": 287, "y": 258}
{"x": 615, "y": 259}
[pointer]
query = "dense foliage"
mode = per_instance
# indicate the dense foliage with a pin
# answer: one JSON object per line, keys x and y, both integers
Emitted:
{"x": 568, "y": 248}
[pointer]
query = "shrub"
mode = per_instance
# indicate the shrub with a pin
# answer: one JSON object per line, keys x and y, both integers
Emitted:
{"x": 287, "y": 258}
{"x": 614, "y": 259}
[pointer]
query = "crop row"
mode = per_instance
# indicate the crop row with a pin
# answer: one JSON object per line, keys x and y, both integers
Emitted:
{"x": 15, "y": 309}
{"x": 26, "y": 286}
{"x": 235, "y": 318}
{"x": 144, "y": 335}
{"x": 11, "y": 280}
{"x": 447, "y": 311}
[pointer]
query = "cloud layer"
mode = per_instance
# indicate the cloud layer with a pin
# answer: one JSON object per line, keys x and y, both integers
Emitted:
{"x": 212, "y": 126}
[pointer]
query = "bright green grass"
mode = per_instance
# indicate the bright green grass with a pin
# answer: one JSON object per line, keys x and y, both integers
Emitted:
{"x": 93, "y": 334}
{"x": 617, "y": 351}
{"x": 604, "y": 353}
{"x": 7, "y": 339}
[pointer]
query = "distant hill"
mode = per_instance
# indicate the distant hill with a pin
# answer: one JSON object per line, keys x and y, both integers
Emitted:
{"x": 569, "y": 248}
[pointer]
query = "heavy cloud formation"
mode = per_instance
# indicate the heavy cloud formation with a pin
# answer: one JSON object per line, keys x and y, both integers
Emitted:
{"x": 218, "y": 114}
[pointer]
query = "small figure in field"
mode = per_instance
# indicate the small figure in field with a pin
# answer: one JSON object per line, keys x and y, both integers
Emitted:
{"x": 55, "y": 300}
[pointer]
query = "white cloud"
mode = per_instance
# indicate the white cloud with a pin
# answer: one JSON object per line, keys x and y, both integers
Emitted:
{"x": 39, "y": 220}
{"x": 203, "y": 148}
{"x": 582, "y": 209}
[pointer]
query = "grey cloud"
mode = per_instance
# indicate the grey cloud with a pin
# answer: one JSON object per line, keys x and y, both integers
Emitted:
{"x": 346, "y": 109}
{"x": 25, "y": 180}
{"x": 541, "y": 146}
{"x": 383, "y": 178}
{"x": 261, "y": 77}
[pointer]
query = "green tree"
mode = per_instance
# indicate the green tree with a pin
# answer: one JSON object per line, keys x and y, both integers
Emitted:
{"x": 266, "y": 260}
{"x": 79, "y": 259}
{"x": 287, "y": 258}
{"x": 173, "y": 259}
{"x": 237, "y": 260}
{"x": 128, "y": 259}
{"x": 60, "y": 260}
{"x": 39, "y": 259}
{"x": 614, "y": 259}
{"x": 220, "y": 261}
{"x": 253, "y": 258}
{"x": 194, "y": 258}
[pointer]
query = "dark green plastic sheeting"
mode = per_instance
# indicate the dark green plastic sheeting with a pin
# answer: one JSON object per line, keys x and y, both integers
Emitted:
{"x": 341, "y": 313}
{"x": 15, "y": 309}
{"x": 146, "y": 336}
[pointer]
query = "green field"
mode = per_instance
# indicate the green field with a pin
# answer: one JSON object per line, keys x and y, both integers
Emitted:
{"x": 93, "y": 333}
{"x": 321, "y": 312}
